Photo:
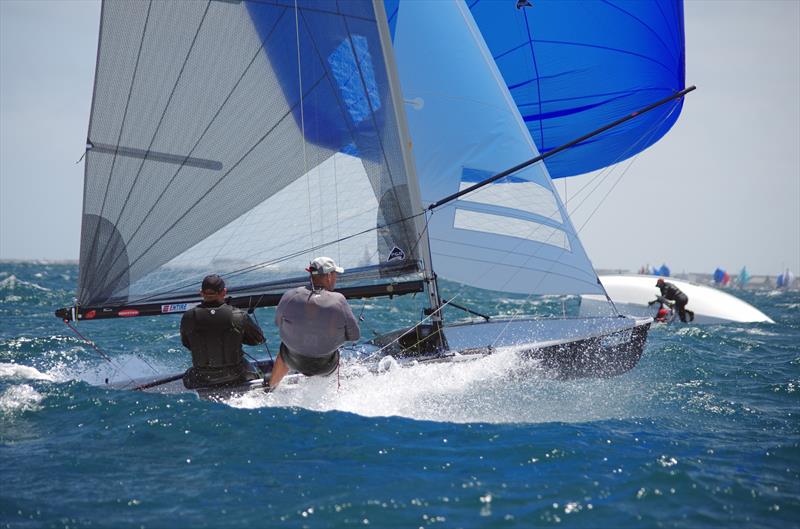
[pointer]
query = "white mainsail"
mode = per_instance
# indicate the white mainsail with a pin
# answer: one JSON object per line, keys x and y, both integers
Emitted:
{"x": 241, "y": 138}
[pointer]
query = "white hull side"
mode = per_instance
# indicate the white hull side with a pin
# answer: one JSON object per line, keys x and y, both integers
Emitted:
{"x": 631, "y": 293}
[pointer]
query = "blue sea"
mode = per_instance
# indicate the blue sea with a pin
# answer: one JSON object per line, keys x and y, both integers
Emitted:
{"x": 704, "y": 432}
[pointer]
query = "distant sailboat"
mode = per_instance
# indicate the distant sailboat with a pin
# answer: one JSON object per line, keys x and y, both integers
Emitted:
{"x": 250, "y": 137}
{"x": 785, "y": 279}
{"x": 662, "y": 271}
{"x": 721, "y": 277}
{"x": 743, "y": 278}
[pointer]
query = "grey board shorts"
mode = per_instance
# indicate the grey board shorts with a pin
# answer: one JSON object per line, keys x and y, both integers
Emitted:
{"x": 308, "y": 365}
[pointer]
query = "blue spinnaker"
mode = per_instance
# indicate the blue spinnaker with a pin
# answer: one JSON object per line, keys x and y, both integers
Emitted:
{"x": 574, "y": 66}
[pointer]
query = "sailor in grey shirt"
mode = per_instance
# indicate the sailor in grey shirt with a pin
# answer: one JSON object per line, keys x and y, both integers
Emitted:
{"x": 313, "y": 324}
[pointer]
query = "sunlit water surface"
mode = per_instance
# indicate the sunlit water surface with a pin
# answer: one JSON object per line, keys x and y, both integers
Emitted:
{"x": 704, "y": 432}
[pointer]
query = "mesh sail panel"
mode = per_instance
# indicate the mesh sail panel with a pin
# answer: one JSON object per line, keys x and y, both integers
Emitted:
{"x": 240, "y": 138}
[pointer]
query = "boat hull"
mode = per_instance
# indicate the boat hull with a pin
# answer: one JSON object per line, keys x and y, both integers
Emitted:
{"x": 593, "y": 347}
{"x": 563, "y": 348}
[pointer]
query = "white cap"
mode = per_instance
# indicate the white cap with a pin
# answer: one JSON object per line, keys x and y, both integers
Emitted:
{"x": 323, "y": 265}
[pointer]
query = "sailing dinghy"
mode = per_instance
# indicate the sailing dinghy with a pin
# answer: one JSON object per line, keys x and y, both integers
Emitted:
{"x": 245, "y": 138}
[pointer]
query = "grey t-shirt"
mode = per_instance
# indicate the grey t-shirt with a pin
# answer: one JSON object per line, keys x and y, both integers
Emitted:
{"x": 315, "y": 323}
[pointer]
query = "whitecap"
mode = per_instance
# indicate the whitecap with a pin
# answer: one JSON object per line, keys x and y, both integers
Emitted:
{"x": 22, "y": 372}
{"x": 20, "y": 398}
{"x": 11, "y": 283}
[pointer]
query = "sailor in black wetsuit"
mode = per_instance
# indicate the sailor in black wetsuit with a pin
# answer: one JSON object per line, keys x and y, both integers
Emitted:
{"x": 673, "y": 293}
{"x": 214, "y": 332}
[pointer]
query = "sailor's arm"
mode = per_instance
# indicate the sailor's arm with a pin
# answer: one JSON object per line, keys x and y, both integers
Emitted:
{"x": 351, "y": 329}
{"x": 251, "y": 333}
{"x": 185, "y": 323}
{"x": 279, "y": 309}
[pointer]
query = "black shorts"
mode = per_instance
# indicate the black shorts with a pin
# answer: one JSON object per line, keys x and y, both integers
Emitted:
{"x": 309, "y": 365}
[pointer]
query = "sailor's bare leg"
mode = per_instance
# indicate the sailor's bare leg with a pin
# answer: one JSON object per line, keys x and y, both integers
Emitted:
{"x": 279, "y": 370}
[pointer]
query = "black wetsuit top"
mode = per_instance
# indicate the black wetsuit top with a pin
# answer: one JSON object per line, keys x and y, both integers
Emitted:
{"x": 673, "y": 293}
{"x": 214, "y": 333}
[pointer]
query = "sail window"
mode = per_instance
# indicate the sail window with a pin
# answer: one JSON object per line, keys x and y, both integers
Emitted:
{"x": 346, "y": 72}
{"x": 511, "y": 227}
{"x": 511, "y": 192}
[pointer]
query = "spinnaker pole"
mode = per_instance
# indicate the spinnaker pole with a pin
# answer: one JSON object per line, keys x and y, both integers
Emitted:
{"x": 557, "y": 150}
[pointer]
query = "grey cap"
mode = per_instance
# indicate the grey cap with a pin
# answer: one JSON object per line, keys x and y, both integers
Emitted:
{"x": 323, "y": 265}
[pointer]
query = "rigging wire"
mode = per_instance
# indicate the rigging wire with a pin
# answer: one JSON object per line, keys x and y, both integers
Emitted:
{"x": 426, "y": 318}
{"x": 277, "y": 260}
{"x": 598, "y": 180}
{"x": 105, "y": 356}
{"x": 266, "y": 345}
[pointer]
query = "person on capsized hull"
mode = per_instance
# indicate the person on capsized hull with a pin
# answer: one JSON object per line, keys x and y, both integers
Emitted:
{"x": 672, "y": 293}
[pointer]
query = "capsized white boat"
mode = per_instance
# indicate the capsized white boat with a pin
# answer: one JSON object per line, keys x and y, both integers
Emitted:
{"x": 632, "y": 293}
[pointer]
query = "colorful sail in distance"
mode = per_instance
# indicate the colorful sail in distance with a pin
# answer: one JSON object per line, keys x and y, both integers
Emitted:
{"x": 744, "y": 277}
{"x": 574, "y": 66}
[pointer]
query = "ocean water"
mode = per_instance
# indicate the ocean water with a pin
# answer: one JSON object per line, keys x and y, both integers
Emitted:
{"x": 704, "y": 432}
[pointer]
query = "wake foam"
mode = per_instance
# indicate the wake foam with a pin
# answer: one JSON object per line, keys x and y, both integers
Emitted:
{"x": 500, "y": 388}
{"x": 125, "y": 368}
{"x": 422, "y": 391}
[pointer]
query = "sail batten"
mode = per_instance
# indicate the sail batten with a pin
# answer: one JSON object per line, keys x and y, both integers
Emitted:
{"x": 121, "y": 150}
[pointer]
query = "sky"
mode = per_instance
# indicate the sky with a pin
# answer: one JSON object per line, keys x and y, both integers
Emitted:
{"x": 721, "y": 189}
